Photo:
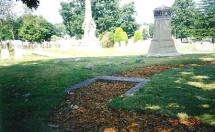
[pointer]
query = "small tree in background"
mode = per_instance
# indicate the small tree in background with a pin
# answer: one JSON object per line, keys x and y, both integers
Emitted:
{"x": 120, "y": 35}
{"x": 125, "y": 37}
{"x": 145, "y": 34}
{"x": 138, "y": 36}
{"x": 107, "y": 39}
{"x": 151, "y": 30}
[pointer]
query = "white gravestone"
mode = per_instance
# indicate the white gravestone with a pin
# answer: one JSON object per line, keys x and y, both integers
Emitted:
{"x": 5, "y": 54}
{"x": 18, "y": 51}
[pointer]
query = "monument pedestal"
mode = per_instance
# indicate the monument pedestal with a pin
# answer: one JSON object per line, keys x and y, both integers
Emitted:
{"x": 162, "y": 43}
{"x": 92, "y": 44}
{"x": 162, "y": 47}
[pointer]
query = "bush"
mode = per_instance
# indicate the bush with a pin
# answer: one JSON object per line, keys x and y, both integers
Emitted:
{"x": 125, "y": 37}
{"x": 138, "y": 36}
{"x": 107, "y": 39}
{"x": 120, "y": 35}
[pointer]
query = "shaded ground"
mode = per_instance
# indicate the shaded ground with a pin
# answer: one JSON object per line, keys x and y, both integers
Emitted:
{"x": 29, "y": 88}
{"x": 93, "y": 114}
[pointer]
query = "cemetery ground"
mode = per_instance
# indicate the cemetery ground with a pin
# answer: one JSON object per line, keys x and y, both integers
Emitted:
{"x": 180, "y": 95}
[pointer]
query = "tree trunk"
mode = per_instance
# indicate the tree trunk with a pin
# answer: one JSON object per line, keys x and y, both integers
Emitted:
{"x": 213, "y": 40}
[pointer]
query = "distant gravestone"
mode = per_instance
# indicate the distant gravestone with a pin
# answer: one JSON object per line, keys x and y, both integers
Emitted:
{"x": 5, "y": 54}
{"x": 162, "y": 43}
{"x": 18, "y": 51}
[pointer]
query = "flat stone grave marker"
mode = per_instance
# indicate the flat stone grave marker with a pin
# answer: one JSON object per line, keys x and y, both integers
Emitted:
{"x": 138, "y": 81}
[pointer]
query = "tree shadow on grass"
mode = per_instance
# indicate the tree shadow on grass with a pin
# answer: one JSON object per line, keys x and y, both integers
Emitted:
{"x": 30, "y": 89}
{"x": 188, "y": 91}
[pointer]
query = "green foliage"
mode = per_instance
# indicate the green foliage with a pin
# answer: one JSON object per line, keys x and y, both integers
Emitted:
{"x": 60, "y": 29}
{"x": 183, "y": 18}
{"x": 35, "y": 28}
{"x": 151, "y": 30}
{"x": 191, "y": 21}
{"x": 207, "y": 18}
{"x": 107, "y": 39}
{"x": 6, "y": 30}
{"x": 138, "y": 36}
{"x": 73, "y": 17}
{"x": 127, "y": 20}
{"x": 120, "y": 35}
{"x": 125, "y": 37}
{"x": 107, "y": 16}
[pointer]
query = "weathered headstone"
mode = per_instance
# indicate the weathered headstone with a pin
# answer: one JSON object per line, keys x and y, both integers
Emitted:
{"x": 18, "y": 51}
{"x": 5, "y": 54}
{"x": 162, "y": 43}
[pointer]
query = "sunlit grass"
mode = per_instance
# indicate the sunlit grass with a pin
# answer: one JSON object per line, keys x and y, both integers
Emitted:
{"x": 46, "y": 81}
{"x": 186, "y": 91}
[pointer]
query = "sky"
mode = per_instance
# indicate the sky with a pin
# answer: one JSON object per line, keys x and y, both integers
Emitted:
{"x": 49, "y": 9}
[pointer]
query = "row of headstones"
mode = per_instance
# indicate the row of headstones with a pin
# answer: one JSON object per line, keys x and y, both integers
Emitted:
{"x": 9, "y": 50}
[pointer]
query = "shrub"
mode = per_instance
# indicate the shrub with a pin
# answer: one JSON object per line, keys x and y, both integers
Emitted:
{"x": 120, "y": 35}
{"x": 107, "y": 39}
{"x": 125, "y": 37}
{"x": 138, "y": 36}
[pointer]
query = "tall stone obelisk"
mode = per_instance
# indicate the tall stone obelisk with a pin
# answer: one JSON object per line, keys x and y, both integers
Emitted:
{"x": 89, "y": 27}
{"x": 162, "y": 43}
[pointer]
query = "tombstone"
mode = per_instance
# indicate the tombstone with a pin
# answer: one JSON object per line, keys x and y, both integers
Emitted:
{"x": 5, "y": 54}
{"x": 18, "y": 51}
{"x": 162, "y": 43}
{"x": 89, "y": 26}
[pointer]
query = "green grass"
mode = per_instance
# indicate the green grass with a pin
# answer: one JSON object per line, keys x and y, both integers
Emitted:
{"x": 182, "y": 91}
{"x": 46, "y": 82}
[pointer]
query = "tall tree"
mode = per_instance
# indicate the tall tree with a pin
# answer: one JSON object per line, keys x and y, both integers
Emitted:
{"x": 183, "y": 18}
{"x": 208, "y": 18}
{"x": 127, "y": 19}
{"x": 7, "y": 17}
{"x": 107, "y": 16}
{"x": 35, "y": 28}
{"x": 5, "y": 30}
{"x": 73, "y": 17}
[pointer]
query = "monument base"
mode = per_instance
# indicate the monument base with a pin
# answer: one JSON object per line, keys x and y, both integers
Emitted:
{"x": 92, "y": 44}
{"x": 164, "y": 47}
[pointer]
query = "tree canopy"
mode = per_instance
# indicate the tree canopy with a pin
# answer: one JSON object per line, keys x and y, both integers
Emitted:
{"x": 35, "y": 28}
{"x": 208, "y": 18}
{"x": 183, "y": 18}
{"x": 107, "y": 16}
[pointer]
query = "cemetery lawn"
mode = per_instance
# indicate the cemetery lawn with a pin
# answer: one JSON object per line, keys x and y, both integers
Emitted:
{"x": 29, "y": 89}
{"x": 184, "y": 92}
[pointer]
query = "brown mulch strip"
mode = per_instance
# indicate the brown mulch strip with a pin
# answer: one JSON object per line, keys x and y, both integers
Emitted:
{"x": 86, "y": 109}
{"x": 145, "y": 72}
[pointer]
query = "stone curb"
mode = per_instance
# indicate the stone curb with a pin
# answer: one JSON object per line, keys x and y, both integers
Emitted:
{"x": 139, "y": 83}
